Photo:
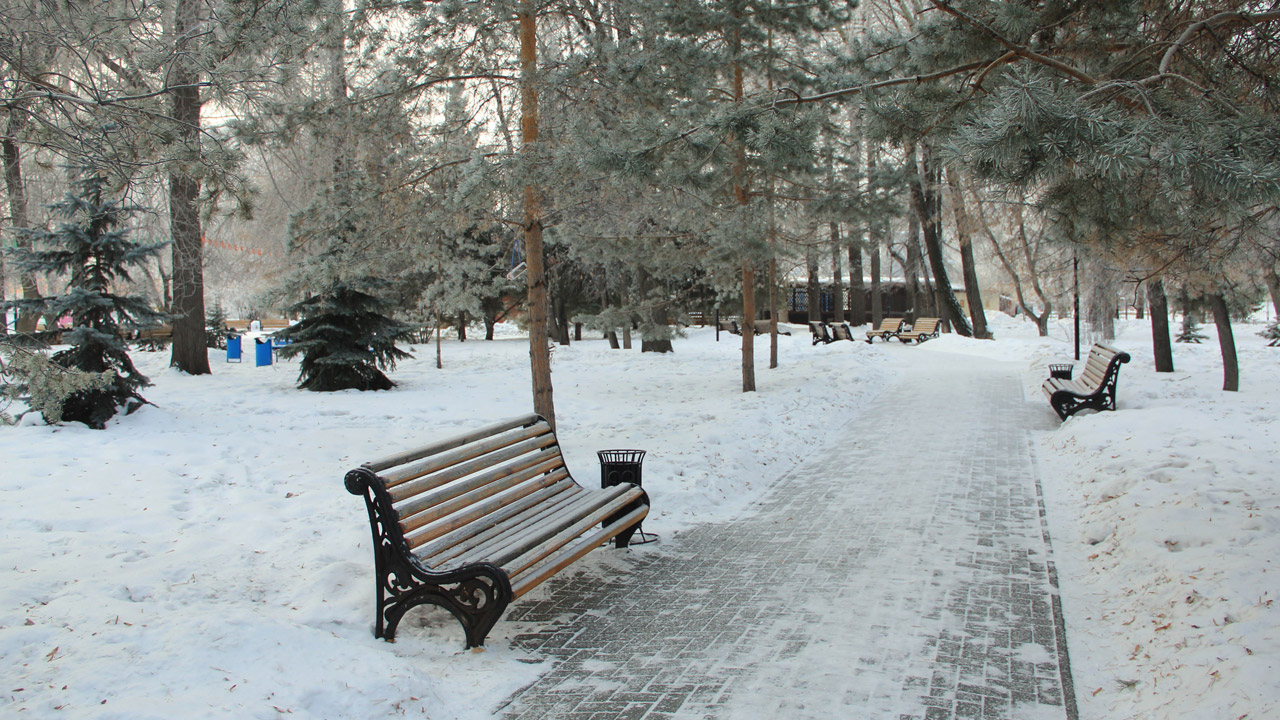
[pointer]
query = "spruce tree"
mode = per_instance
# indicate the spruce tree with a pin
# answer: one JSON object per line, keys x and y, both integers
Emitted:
{"x": 1190, "y": 331}
{"x": 346, "y": 339}
{"x": 93, "y": 250}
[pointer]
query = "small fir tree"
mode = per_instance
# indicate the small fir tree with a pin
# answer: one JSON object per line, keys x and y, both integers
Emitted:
{"x": 215, "y": 327}
{"x": 1190, "y": 331}
{"x": 1272, "y": 333}
{"x": 346, "y": 338}
{"x": 93, "y": 251}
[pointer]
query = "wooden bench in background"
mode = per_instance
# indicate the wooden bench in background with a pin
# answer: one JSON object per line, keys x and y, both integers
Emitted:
{"x": 1095, "y": 388}
{"x": 842, "y": 332}
{"x": 887, "y": 328}
{"x": 475, "y": 521}
{"x": 922, "y": 329}
{"x": 821, "y": 333}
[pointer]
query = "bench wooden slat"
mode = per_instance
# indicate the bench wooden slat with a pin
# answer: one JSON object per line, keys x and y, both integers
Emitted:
{"x": 433, "y": 541}
{"x": 423, "y": 483}
{"x": 491, "y": 531}
{"x": 549, "y": 527}
{"x": 456, "y": 456}
{"x": 530, "y": 580}
{"x": 517, "y": 559}
{"x": 455, "y": 500}
{"x": 498, "y": 535}
{"x": 409, "y": 456}
{"x": 540, "y": 526}
{"x": 445, "y": 487}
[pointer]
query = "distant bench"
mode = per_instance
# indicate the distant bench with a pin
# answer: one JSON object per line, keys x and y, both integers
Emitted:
{"x": 1094, "y": 389}
{"x": 475, "y": 521}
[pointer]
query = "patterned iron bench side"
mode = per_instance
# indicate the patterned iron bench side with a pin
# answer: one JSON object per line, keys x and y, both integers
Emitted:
{"x": 473, "y": 522}
{"x": 1095, "y": 388}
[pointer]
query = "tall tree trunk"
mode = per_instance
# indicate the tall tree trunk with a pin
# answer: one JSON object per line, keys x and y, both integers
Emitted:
{"x": 857, "y": 287}
{"x": 657, "y": 318}
{"x": 911, "y": 269}
{"x": 877, "y": 302}
{"x": 773, "y": 313}
{"x": 748, "y": 328}
{"x": 17, "y": 190}
{"x": 837, "y": 293}
{"x": 535, "y": 260}
{"x": 964, "y": 235}
{"x": 875, "y": 237}
{"x": 743, "y": 197}
{"x": 1273, "y": 287}
{"x": 190, "y": 350}
{"x": 1161, "y": 346}
{"x": 927, "y": 202}
{"x": 560, "y": 319}
{"x": 490, "y": 319}
{"x": 1226, "y": 343}
{"x": 813, "y": 291}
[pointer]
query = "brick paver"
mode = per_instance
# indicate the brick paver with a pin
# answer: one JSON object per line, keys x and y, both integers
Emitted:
{"x": 903, "y": 573}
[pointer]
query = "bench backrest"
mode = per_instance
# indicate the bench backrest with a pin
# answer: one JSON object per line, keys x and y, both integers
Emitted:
{"x": 890, "y": 325}
{"x": 484, "y": 476}
{"x": 1101, "y": 362}
{"x": 842, "y": 332}
{"x": 925, "y": 326}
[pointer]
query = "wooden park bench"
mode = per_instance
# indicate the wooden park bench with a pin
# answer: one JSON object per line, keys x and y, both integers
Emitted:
{"x": 473, "y": 522}
{"x": 156, "y": 338}
{"x": 820, "y": 332}
{"x": 887, "y": 328}
{"x": 842, "y": 332}
{"x": 1095, "y": 388}
{"x": 922, "y": 329}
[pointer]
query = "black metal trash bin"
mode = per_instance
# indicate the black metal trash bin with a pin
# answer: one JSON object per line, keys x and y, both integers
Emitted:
{"x": 619, "y": 466}
{"x": 1062, "y": 371}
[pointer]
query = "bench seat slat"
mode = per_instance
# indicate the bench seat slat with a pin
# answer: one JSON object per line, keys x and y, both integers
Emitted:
{"x": 532, "y": 579}
{"x": 498, "y": 535}
{"x": 490, "y": 529}
{"x": 516, "y": 560}
{"x": 520, "y": 532}
{"x": 433, "y": 540}
{"x": 479, "y": 502}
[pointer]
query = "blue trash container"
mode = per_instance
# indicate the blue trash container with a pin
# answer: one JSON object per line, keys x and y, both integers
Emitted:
{"x": 262, "y": 352}
{"x": 233, "y": 348}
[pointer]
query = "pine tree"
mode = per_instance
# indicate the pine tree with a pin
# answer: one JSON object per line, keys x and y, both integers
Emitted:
{"x": 95, "y": 253}
{"x": 346, "y": 339}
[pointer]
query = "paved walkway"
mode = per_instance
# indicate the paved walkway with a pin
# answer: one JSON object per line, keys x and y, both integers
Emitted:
{"x": 913, "y": 587}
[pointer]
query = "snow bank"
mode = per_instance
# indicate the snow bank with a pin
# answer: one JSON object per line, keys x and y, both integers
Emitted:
{"x": 1166, "y": 525}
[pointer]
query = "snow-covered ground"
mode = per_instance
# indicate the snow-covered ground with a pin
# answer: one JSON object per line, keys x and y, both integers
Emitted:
{"x": 201, "y": 557}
